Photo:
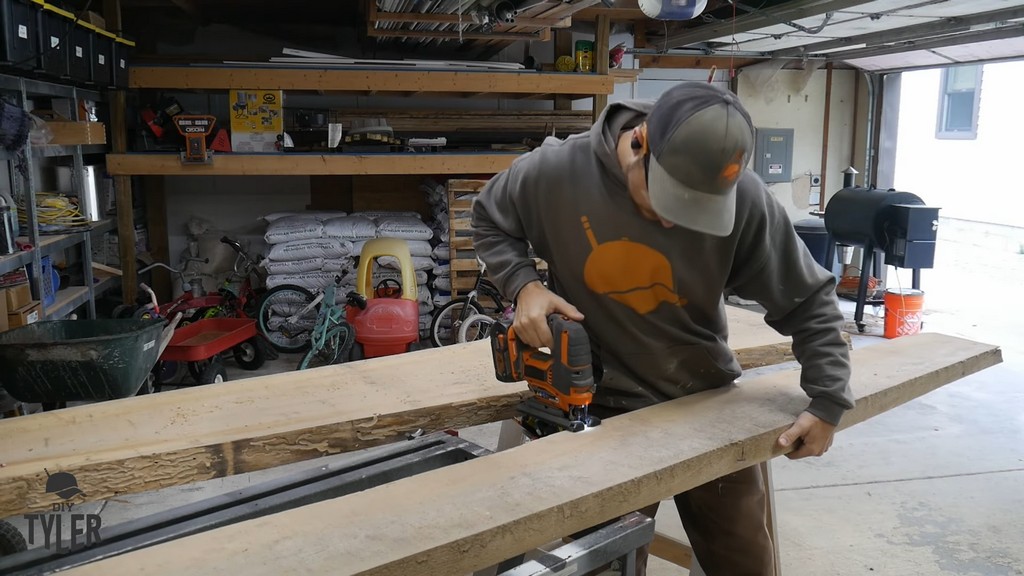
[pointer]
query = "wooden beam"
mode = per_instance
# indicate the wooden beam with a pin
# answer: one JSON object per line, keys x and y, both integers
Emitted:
{"x": 624, "y": 11}
{"x": 601, "y": 61}
{"x": 474, "y": 514}
{"x": 453, "y": 34}
{"x": 465, "y": 19}
{"x": 362, "y": 80}
{"x": 311, "y": 164}
{"x": 706, "y": 62}
{"x": 112, "y": 15}
{"x": 168, "y": 439}
{"x": 672, "y": 550}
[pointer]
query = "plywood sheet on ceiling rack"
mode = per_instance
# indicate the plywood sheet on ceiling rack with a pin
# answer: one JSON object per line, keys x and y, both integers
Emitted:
{"x": 189, "y": 435}
{"x": 474, "y": 514}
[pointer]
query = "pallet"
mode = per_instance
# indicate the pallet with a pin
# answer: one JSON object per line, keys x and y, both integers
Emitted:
{"x": 464, "y": 264}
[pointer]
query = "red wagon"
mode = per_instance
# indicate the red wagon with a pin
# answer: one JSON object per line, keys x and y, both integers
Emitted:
{"x": 201, "y": 344}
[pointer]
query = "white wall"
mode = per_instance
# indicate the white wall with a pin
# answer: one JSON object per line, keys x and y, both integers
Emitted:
{"x": 233, "y": 206}
{"x": 796, "y": 99}
{"x": 969, "y": 179}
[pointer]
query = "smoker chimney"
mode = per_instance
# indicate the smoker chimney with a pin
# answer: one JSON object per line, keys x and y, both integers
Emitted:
{"x": 848, "y": 176}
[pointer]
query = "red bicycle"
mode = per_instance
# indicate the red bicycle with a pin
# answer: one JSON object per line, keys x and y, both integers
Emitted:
{"x": 235, "y": 298}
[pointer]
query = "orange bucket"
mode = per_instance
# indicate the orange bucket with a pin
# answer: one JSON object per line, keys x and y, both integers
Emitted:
{"x": 903, "y": 310}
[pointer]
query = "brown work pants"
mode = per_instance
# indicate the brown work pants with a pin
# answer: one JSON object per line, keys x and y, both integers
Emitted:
{"x": 726, "y": 523}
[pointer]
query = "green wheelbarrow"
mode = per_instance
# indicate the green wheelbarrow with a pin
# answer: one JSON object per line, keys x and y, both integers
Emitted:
{"x": 80, "y": 360}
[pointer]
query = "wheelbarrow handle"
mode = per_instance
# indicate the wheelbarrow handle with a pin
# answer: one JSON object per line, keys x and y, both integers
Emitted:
{"x": 152, "y": 296}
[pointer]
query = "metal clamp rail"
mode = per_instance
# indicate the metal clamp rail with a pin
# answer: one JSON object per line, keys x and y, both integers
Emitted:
{"x": 374, "y": 467}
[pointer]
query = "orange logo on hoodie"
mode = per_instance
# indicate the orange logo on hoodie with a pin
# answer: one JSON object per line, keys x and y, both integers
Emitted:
{"x": 630, "y": 273}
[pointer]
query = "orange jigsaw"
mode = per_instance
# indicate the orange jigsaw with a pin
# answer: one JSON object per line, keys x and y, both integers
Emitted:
{"x": 562, "y": 381}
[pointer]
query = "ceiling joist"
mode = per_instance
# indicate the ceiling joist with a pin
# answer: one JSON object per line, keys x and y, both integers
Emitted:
{"x": 791, "y": 10}
{"x": 913, "y": 32}
{"x": 1013, "y": 31}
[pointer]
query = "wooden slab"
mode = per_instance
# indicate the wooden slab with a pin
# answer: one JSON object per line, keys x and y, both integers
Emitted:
{"x": 474, "y": 514}
{"x": 188, "y": 435}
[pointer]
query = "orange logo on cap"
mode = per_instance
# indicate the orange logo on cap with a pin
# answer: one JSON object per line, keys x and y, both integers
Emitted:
{"x": 731, "y": 171}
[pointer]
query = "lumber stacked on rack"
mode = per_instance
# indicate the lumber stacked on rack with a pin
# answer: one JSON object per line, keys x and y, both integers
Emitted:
{"x": 427, "y": 122}
{"x": 188, "y": 435}
{"x": 464, "y": 265}
{"x": 474, "y": 514}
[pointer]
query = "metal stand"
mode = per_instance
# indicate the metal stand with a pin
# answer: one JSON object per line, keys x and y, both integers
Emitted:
{"x": 617, "y": 541}
{"x": 872, "y": 261}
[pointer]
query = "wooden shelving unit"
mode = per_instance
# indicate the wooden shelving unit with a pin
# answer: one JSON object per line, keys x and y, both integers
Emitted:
{"x": 561, "y": 87}
{"x": 234, "y": 164}
{"x": 412, "y": 82}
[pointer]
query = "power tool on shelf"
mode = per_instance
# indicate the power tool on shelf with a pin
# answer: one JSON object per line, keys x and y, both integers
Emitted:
{"x": 195, "y": 128}
{"x": 562, "y": 381}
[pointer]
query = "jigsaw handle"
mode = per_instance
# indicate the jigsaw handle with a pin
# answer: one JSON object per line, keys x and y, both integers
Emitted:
{"x": 508, "y": 364}
{"x": 570, "y": 354}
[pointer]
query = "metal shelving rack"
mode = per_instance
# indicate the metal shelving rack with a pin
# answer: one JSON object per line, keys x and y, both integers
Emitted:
{"x": 23, "y": 185}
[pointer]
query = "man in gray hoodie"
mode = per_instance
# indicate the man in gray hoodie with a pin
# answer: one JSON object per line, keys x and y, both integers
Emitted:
{"x": 646, "y": 221}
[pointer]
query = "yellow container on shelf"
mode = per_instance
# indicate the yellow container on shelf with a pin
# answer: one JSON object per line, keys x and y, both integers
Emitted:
{"x": 584, "y": 56}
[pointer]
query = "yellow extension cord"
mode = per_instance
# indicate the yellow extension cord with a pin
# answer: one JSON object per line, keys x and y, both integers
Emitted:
{"x": 55, "y": 210}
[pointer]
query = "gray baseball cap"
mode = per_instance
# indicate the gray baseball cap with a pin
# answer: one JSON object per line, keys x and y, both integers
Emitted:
{"x": 700, "y": 139}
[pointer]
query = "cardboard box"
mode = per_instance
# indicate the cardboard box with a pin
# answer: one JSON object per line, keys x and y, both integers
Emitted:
{"x": 95, "y": 19}
{"x": 4, "y": 325}
{"x": 70, "y": 133}
{"x": 17, "y": 296}
{"x": 256, "y": 120}
{"x": 24, "y": 316}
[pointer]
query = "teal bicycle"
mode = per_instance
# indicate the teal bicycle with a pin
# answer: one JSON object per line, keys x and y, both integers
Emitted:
{"x": 293, "y": 318}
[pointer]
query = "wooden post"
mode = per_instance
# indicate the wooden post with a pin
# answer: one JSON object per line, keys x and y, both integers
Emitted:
{"x": 563, "y": 46}
{"x": 824, "y": 135}
{"x": 601, "y": 61}
{"x": 123, "y": 187}
{"x": 156, "y": 217}
{"x": 122, "y": 184}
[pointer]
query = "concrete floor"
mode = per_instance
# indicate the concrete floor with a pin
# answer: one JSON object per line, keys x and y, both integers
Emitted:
{"x": 935, "y": 487}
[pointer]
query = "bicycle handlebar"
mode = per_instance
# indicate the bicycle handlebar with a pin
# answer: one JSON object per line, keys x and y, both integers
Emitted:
{"x": 234, "y": 244}
{"x": 175, "y": 270}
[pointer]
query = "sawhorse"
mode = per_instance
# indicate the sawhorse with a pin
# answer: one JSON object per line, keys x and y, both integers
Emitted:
{"x": 666, "y": 547}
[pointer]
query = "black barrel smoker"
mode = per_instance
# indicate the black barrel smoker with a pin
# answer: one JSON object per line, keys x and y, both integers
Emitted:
{"x": 897, "y": 224}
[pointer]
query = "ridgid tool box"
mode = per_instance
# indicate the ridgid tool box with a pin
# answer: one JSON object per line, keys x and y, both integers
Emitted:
{"x": 54, "y": 38}
{"x": 19, "y": 25}
{"x": 80, "y": 58}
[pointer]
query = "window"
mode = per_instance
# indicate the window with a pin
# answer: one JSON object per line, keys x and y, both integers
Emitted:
{"x": 958, "y": 103}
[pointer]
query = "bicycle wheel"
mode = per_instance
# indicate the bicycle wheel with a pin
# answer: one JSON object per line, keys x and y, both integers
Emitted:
{"x": 336, "y": 348}
{"x": 476, "y": 327}
{"x": 444, "y": 326}
{"x": 279, "y": 319}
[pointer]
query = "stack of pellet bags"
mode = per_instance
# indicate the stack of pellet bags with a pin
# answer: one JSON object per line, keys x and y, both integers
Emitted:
{"x": 310, "y": 249}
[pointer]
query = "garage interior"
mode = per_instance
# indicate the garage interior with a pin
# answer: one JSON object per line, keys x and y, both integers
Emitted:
{"x": 244, "y": 326}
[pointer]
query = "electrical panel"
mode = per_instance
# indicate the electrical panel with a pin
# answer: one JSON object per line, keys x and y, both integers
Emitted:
{"x": 773, "y": 154}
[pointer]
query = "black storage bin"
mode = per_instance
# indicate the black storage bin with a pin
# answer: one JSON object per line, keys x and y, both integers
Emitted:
{"x": 812, "y": 231}
{"x": 103, "y": 58}
{"x": 19, "y": 24}
{"x": 80, "y": 58}
{"x": 54, "y": 37}
{"x": 122, "y": 51}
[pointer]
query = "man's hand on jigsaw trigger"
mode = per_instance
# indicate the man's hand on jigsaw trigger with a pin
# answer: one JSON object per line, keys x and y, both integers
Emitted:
{"x": 808, "y": 436}
{"x": 533, "y": 306}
